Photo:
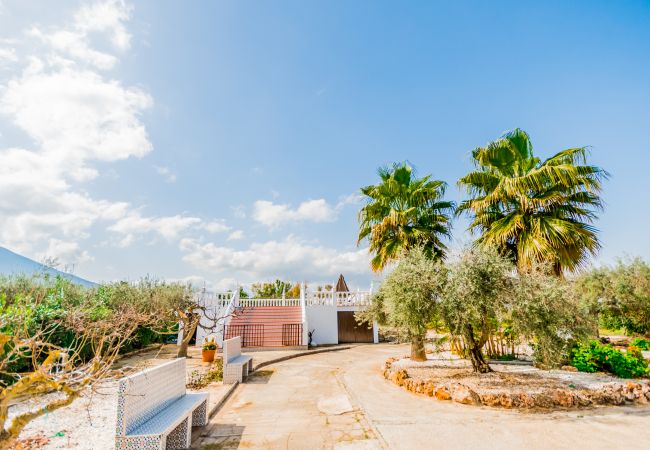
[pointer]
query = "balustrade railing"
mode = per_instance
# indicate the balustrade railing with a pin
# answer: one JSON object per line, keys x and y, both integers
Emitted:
{"x": 252, "y": 302}
{"x": 330, "y": 298}
{"x": 214, "y": 299}
{"x": 223, "y": 299}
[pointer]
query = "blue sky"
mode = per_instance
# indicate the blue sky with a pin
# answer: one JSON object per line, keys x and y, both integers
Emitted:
{"x": 225, "y": 141}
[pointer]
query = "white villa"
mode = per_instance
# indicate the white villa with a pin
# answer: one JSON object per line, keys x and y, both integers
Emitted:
{"x": 286, "y": 323}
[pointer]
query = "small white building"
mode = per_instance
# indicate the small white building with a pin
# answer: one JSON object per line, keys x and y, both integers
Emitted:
{"x": 325, "y": 317}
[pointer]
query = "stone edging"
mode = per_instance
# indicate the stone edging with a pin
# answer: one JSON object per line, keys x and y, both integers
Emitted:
{"x": 616, "y": 393}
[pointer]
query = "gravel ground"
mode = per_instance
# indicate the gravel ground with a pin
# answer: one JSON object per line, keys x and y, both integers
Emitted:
{"x": 87, "y": 424}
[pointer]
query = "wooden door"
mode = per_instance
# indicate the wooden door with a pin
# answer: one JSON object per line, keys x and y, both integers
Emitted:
{"x": 350, "y": 331}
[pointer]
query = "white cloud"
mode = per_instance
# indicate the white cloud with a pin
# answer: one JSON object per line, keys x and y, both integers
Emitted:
{"x": 215, "y": 226}
{"x": 165, "y": 172}
{"x": 353, "y": 199}
{"x": 236, "y": 235}
{"x": 133, "y": 225}
{"x": 273, "y": 215}
{"x": 268, "y": 259}
{"x": 7, "y": 55}
{"x": 67, "y": 251}
{"x": 107, "y": 16}
{"x": 75, "y": 117}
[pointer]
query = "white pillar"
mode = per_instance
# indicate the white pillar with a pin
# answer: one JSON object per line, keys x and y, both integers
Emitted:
{"x": 303, "y": 311}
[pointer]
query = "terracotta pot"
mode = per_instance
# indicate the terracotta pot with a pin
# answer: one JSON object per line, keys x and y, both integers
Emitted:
{"x": 208, "y": 355}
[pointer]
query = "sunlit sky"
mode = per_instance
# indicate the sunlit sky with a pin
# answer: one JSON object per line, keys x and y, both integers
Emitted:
{"x": 226, "y": 142}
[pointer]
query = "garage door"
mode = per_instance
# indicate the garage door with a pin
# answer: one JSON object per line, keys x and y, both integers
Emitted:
{"x": 350, "y": 330}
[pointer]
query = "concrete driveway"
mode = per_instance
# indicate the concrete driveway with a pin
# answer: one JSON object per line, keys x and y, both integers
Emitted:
{"x": 340, "y": 400}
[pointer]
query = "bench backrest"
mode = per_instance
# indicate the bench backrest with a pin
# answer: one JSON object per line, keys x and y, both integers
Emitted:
{"x": 142, "y": 395}
{"x": 231, "y": 348}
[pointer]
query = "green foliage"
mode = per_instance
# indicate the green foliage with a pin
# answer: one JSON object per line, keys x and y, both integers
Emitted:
{"x": 640, "y": 343}
{"x": 199, "y": 380}
{"x": 209, "y": 344}
{"x": 619, "y": 295}
{"x": 531, "y": 210}
{"x": 50, "y": 307}
{"x": 408, "y": 298}
{"x": 276, "y": 289}
{"x": 404, "y": 212}
{"x": 476, "y": 297}
{"x": 547, "y": 311}
{"x": 594, "y": 357}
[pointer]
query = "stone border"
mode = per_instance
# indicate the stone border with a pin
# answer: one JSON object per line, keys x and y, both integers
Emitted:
{"x": 615, "y": 393}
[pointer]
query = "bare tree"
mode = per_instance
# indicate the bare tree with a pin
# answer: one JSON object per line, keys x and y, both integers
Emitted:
{"x": 32, "y": 366}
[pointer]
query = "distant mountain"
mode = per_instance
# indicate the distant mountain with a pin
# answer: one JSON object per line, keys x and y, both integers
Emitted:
{"x": 12, "y": 264}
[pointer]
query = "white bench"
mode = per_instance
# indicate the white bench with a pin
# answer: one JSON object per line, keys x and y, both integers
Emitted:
{"x": 236, "y": 366}
{"x": 155, "y": 412}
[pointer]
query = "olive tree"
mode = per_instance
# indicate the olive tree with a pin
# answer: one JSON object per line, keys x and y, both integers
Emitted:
{"x": 475, "y": 299}
{"x": 548, "y": 312}
{"x": 409, "y": 298}
{"x": 620, "y": 295}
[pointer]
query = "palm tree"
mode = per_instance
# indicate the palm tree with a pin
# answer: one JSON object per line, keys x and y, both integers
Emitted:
{"x": 534, "y": 211}
{"x": 404, "y": 212}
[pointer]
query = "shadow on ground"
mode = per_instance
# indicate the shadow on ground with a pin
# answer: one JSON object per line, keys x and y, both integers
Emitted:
{"x": 222, "y": 436}
{"x": 259, "y": 377}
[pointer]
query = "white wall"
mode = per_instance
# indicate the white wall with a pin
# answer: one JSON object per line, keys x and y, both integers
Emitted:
{"x": 324, "y": 320}
{"x": 216, "y": 332}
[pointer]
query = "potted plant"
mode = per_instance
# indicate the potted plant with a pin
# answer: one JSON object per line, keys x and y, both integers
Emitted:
{"x": 208, "y": 350}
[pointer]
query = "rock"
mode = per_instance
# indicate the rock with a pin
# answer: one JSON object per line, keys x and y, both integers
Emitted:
{"x": 523, "y": 400}
{"x": 399, "y": 377}
{"x": 505, "y": 400}
{"x": 563, "y": 398}
{"x": 442, "y": 393}
{"x": 463, "y": 394}
{"x": 569, "y": 368}
{"x": 490, "y": 400}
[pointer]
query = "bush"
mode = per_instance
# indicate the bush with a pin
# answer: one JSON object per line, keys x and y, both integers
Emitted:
{"x": 642, "y": 344}
{"x": 594, "y": 356}
{"x": 620, "y": 295}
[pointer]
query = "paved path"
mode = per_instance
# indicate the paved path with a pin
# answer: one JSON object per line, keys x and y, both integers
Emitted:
{"x": 340, "y": 400}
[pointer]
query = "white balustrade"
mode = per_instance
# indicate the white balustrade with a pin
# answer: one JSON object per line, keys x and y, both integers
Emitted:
{"x": 252, "y": 302}
{"x": 223, "y": 299}
{"x": 329, "y": 298}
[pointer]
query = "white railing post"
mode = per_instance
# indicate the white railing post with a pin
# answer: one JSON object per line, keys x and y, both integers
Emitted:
{"x": 303, "y": 308}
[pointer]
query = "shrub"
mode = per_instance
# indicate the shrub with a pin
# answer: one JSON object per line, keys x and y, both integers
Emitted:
{"x": 594, "y": 356}
{"x": 640, "y": 343}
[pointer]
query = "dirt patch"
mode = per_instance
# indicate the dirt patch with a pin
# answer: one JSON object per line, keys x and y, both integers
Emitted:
{"x": 514, "y": 386}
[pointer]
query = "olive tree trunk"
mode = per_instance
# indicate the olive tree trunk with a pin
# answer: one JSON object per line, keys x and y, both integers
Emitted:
{"x": 417, "y": 348}
{"x": 479, "y": 364}
{"x": 189, "y": 327}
